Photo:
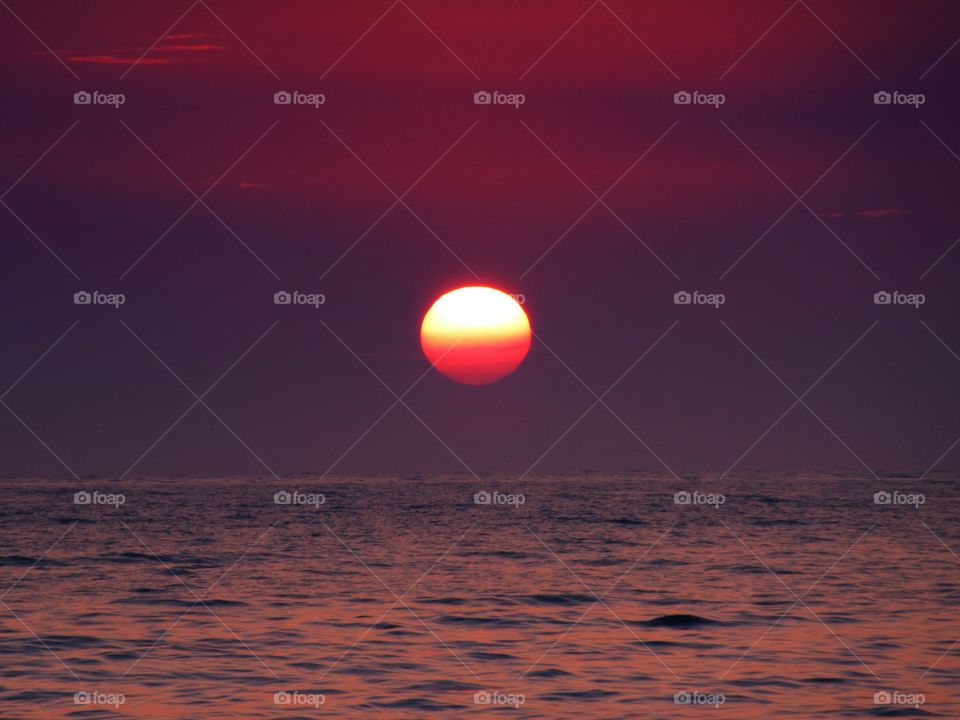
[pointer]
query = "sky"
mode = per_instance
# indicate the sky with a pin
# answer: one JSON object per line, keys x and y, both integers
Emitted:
{"x": 597, "y": 199}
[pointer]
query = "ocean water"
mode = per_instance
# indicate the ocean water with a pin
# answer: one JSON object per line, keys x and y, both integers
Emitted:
{"x": 578, "y": 596}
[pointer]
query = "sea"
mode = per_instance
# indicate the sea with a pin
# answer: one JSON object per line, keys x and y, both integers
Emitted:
{"x": 585, "y": 595}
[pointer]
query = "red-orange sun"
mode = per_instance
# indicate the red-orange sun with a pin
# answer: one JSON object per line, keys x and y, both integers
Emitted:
{"x": 475, "y": 335}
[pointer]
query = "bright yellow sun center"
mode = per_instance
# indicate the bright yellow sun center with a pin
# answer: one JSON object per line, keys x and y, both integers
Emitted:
{"x": 475, "y": 335}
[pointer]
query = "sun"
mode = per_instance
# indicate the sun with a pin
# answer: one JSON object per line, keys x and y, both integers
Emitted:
{"x": 475, "y": 335}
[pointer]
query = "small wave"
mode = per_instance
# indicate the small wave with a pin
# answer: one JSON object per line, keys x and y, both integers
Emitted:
{"x": 548, "y": 673}
{"x": 26, "y": 561}
{"x": 478, "y": 621}
{"x": 559, "y": 599}
{"x": 679, "y": 621}
{"x": 484, "y": 655}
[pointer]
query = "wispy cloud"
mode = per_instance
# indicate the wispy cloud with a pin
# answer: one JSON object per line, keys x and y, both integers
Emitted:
{"x": 868, "y": 214}
{"x": 172, "y": 49}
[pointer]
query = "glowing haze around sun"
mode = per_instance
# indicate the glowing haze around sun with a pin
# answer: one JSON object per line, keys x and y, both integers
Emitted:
{"x": 475, "y": 335}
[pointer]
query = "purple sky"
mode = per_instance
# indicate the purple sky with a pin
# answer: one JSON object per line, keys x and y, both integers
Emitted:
{"x": 500, "y": 201}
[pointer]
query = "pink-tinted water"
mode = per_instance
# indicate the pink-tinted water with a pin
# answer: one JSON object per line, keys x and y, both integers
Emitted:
{"x": 600, "y": 596}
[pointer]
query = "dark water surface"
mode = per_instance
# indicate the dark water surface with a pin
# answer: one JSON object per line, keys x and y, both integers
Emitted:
{"x": 598, "y": 597}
